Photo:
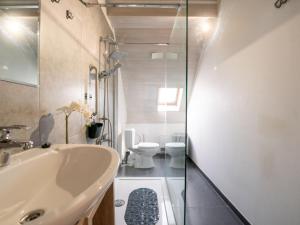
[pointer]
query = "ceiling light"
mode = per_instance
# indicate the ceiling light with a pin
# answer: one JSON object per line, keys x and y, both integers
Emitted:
{"x": 162, "y": 44}
{"x": 157, "y": 55}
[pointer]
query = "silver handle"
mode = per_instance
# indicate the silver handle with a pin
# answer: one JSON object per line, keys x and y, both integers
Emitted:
{"x": 15, "y": 127}
{"x": 28, "y": 145}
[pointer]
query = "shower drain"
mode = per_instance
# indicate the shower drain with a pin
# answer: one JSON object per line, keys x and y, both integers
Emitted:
{"x": 33, "y": 215}
{"x": 119, "y": 203}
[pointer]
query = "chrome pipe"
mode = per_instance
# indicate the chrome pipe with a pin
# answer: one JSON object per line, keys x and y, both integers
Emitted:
{"x": 144, "y": 43}
{"x": 148, "y": 5}
{"x": 132, "y": 5}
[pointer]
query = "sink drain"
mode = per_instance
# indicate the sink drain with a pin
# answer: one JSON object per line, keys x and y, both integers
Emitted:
{"x": 119, "y": 203}
{"x": 33, "y": 215}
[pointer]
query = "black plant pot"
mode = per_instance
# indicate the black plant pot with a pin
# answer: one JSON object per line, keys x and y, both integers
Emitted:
{"x": 94, "y": 130}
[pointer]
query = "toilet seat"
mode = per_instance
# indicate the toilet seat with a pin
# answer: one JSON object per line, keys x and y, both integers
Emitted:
{"x": 175, "y": 145}
{"x": 146, "y": 148}
{"x": 147, "y": 145}
{"x": 143, "y": 153}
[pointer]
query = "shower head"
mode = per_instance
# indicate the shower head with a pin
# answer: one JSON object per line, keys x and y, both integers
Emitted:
{"x": 117, "y": 55}
{"x": 115, "y": 68}
{"x": 110, "y": 72}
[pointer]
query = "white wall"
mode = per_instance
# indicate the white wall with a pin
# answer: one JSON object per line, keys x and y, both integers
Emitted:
{"x": 244, "y": 115}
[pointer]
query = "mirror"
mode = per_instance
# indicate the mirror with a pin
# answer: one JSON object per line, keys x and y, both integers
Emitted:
{"x": 19, "y": 31}
{"x": 19, "y": 67}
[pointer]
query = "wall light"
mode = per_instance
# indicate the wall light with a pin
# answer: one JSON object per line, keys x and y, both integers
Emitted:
{"x": 13, "y": 25}
{"x": 205, "y": 26}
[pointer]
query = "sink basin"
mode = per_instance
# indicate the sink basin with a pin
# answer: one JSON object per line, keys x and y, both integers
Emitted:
{"x": 64, "y": 182}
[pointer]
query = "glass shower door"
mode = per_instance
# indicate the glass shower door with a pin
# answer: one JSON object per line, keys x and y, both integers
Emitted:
{"x": 175, "y": 114}
{"x": 154, "y": 84}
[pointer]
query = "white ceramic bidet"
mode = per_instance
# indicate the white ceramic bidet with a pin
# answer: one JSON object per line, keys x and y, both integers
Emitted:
{"x": 177, "y": 152}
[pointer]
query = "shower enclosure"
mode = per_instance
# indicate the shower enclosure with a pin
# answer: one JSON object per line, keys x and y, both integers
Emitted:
{"x": 142, "y": 101}
{"x": 152, "y": 89}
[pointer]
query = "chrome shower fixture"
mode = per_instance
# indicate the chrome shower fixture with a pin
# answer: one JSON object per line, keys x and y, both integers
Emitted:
{"x": 69, "y": 15}
{"x": 111, "y": 72}
{"x": 144, "y": 5}
{"x": 109, "y": 40}
{"x": 279, "y": 3}
{"x": 134, "y": 5}
{"x": 117, "y": 55}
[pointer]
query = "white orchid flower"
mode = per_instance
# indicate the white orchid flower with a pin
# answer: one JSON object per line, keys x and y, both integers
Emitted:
{"x": 77, "y": 107}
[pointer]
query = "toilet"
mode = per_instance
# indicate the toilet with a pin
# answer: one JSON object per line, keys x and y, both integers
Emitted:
{"x": 177, "y": 152}
{"x": 143, "y": 152}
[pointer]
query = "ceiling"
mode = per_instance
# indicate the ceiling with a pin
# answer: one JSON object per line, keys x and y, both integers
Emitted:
{"x": 18, "y": 2}
{"x": 141, "y": 75}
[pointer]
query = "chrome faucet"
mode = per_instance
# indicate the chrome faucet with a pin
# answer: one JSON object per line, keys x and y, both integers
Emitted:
{"x": 6, "y": 143}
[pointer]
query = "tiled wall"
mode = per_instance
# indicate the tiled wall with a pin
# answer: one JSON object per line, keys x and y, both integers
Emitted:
{"x": 67, "y": 48}
{"x": 19, "y": 104}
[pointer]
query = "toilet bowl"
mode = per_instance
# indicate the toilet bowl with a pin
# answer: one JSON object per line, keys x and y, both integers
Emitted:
{"x": 177, "y": 152}
{"x": 143, "y": 152}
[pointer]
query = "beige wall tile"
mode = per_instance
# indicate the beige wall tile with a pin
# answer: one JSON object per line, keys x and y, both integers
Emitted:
{"x": 67, "y": 48}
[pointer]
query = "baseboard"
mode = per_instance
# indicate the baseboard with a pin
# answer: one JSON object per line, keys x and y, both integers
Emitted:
{"x": 228, "y": 202}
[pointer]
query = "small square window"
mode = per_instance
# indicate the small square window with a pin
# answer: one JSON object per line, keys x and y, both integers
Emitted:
{"x": 169, "y": 99}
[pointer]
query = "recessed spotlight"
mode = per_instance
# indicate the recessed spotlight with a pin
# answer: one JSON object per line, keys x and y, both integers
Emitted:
{"x": 5, "y": 67}
{"x": 163, "y": 44}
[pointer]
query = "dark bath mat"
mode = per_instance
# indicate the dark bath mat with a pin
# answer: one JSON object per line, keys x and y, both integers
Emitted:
{"x": 142, "y": 207}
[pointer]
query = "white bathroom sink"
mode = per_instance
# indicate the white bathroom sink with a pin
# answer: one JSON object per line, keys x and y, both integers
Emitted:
{"x": 66, "y": 182}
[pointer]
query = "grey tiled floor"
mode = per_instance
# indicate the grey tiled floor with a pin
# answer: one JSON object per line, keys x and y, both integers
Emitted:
{"x": 161, "y": 169}
{"x": 204, "y": 205}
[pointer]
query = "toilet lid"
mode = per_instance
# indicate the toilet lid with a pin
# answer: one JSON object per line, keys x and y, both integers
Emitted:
{"x": 175, "y": 145}
{"x": 148, "y": 145}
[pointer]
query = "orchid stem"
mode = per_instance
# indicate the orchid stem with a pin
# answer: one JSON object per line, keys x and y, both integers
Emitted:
{"x": 67, "y": 129}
